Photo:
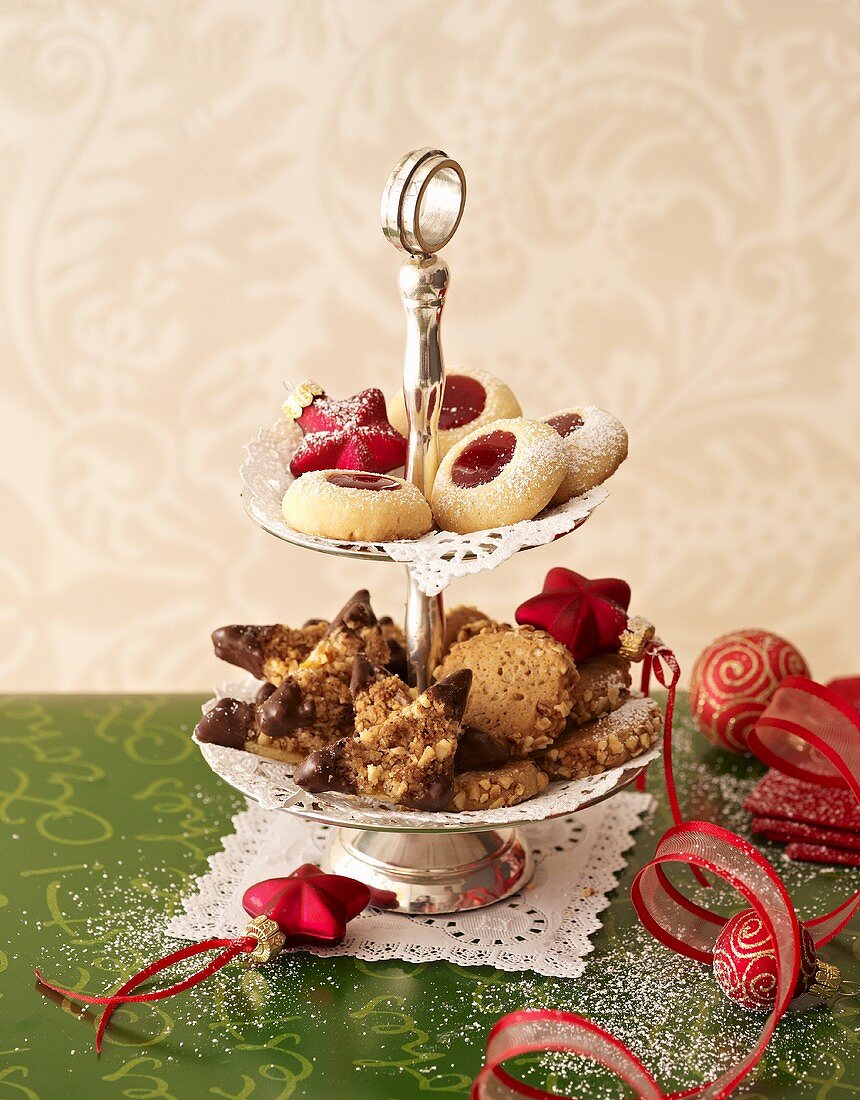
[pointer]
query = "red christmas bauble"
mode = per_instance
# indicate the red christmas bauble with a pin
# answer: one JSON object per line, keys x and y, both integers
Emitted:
{"x": 733, "y": 681}
{"x": 745, "y": 962}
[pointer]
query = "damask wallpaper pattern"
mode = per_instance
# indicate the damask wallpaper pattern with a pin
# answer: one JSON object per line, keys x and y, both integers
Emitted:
{"x": 662, "y": 219}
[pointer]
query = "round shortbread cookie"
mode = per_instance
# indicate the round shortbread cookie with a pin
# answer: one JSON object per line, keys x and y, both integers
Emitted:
{"x": 595, "y": 444}
{"x": 605, "y": 743}
{"x": 472, "y": 398}
{"x": 354, "y": 506}
{"x": 502, "y": 473}
{"x": 522, "y": 685}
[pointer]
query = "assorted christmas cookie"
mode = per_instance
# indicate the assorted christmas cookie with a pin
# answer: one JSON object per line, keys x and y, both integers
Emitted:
{"x": 460, "y": 621}
{"x": 352, "y": 506}
{"x": 323, "y": 678}
{"x": 605, "y": 743}
{"x": 523, "y": 684}
{"x": 279, "y": 726}
{"x": 272, "y": 652}
{"x": 351, "y": 434}
{"x": 595, "y": 444}
{"x": 472, "y": 398}
{"x": 376, "y": 693}
{"x": 500, "y": 474}
{"x": 506, "y": 786}
{"x": 267, "y": 652}
{"x": 313, "y": 704}
{"x": 406, "y": 759}
{"x": 603, "y": 686}
{"x": 510, "y": 710}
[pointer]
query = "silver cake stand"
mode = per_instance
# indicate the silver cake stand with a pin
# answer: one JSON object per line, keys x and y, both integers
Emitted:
{"x": 426, "y": 868}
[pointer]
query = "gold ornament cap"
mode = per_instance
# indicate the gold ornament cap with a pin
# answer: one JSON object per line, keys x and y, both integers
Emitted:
{"x": 827, "y": 980}
{"x": 302, "y": 396}
{"x": 635, "y": 638}
{"x": 270, "y": 941}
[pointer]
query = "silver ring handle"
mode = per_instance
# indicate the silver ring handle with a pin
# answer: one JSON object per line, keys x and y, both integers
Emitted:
{"x": 423, "y": 202}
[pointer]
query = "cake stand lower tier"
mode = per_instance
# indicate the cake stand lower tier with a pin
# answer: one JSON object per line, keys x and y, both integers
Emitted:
{"x": 444, "y": 872}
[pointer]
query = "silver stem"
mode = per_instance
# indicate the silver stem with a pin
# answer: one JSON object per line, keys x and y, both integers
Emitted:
{"x": 425, "y": 633}
{"x": 421, "y": 208}
{"x": 423, "y": 283}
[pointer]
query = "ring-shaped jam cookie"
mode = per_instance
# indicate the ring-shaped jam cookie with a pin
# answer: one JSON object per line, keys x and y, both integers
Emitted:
{"x": 472, "y": 398}
{"x": 502, "y": 473}
{"x": 354, "y": 506}
{"x": 595, "y": 442}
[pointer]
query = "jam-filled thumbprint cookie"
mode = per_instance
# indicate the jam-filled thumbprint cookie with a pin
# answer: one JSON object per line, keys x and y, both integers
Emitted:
{"x": 352, "y": 505}
{"x": 502, "y": 473}
{"x": 596, "y": 445}
{"x": 472, "y": 398}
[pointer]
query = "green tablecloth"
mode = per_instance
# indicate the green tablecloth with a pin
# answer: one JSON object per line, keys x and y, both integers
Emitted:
{"x": 107, "y": 812}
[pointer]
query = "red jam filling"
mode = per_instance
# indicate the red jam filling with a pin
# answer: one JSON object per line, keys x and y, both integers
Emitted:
{"x": 484, "y": 459}
{"x": 566, "y": 423}
{"x": 464, "y": 400}
{"x": 354, "y": 479}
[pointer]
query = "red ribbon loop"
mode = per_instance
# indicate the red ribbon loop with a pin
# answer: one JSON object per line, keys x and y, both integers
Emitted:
{"x": 233, "y": 947}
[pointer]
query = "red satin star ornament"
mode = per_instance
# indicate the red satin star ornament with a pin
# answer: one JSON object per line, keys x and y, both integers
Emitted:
{"x": 349, "y": 434}
{"x": 306, "y": 907}
{"x": 587, "y": 616}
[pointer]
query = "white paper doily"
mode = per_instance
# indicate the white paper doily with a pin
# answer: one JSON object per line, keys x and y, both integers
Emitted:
{"x": 544, "y": 929}
{"x": 436, "y": 558}
{"x": 269, "y": 783}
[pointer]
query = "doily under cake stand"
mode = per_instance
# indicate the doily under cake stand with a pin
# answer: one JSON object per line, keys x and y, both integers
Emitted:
{"x": 429, "y": 863}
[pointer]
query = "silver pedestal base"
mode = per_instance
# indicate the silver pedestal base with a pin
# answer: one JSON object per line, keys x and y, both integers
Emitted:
{"x": 444, "y": 872}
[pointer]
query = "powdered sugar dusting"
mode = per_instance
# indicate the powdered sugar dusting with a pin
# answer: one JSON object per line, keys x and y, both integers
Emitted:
{"x": 523, "y": 486}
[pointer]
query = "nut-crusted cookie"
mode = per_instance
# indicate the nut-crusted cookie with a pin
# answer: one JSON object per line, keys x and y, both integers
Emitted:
{"x": 267, "y": 652}
{"x": 407, "y": 759}
{"x": 522, "y": 688}
{"x": 605, "y": 743}
{"x": 275, "y": 651}
{"x": 460, "y": 619}
{"x": 323, "y": 678}
{"x": 604, "y": 686}
{"x": 376, "y": 693}
{"x": 514, "y": 782}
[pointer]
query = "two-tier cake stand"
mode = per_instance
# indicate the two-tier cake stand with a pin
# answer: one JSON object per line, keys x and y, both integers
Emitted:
{"x": 430, "y": 863}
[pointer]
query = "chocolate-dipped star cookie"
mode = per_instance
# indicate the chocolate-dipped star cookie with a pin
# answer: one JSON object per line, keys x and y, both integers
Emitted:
{"x": 273, "y": 652}
{"x": 377, "y": 694}
{"x": 407, "y": 759}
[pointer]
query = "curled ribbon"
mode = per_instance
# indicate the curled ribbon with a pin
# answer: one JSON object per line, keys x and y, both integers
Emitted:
{"x": 810, "y": 732}
{"x": 230, "y": 949}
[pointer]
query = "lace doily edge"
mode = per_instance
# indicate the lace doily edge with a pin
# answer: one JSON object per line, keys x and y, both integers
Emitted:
{"x": 630, "y": 809}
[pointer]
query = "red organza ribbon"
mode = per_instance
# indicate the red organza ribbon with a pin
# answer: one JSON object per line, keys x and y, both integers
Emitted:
{"x": 662, "y": 662}
{"x": 807, "y": 730}
{"x": 232, "y": 947}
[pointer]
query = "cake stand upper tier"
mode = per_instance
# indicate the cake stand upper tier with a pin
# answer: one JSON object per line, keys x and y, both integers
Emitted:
{"x": 436, "y": 558}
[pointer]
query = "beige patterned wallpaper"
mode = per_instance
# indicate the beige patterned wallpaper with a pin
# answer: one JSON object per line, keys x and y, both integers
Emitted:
{"x": 663, "y": 219}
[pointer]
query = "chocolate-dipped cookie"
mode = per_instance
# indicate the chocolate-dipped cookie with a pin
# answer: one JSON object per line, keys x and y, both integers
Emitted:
{"x": 407, "y": 758}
